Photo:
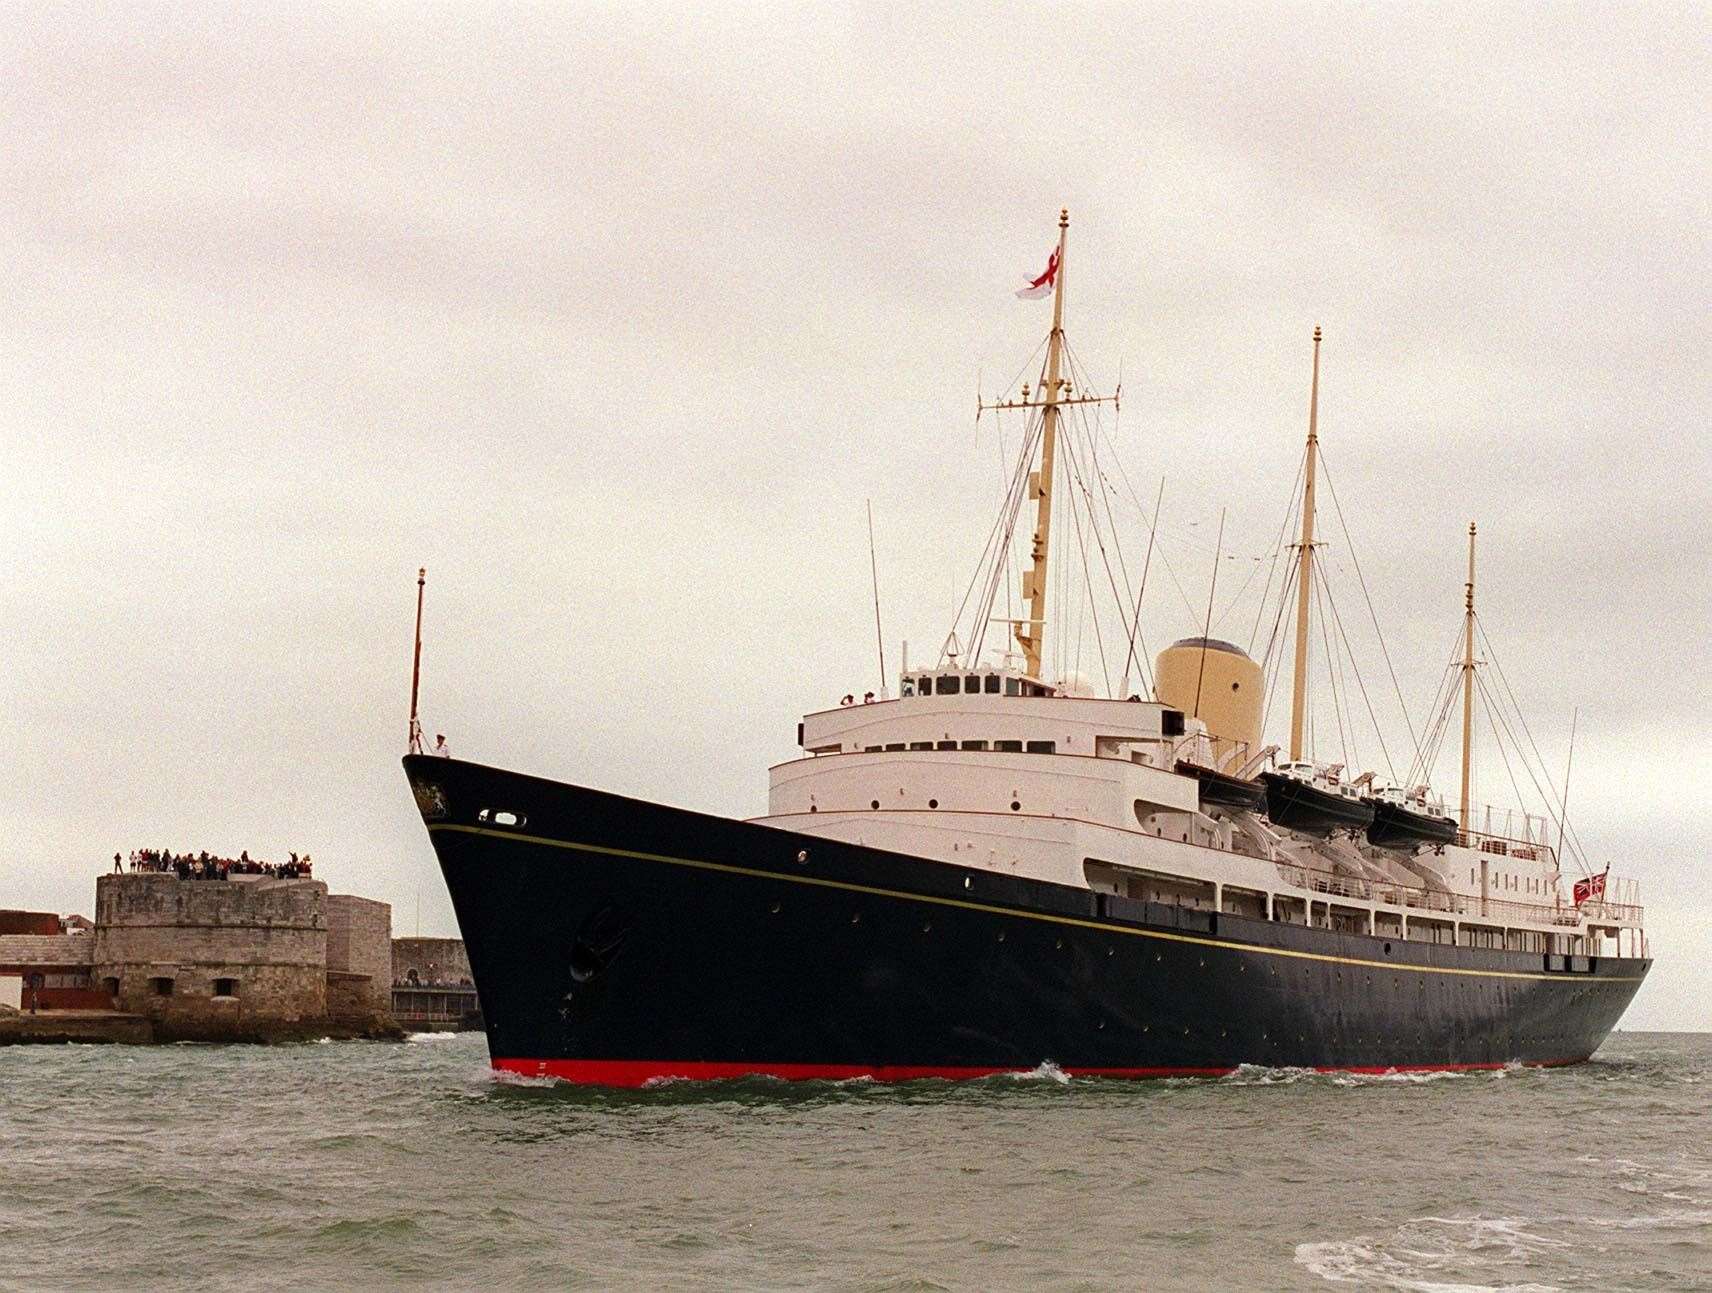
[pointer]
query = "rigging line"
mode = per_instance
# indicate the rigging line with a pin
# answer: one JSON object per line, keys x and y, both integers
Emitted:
{"x": 1278, "y": 549}
{"x": 1212, "y": 587}
{"x": 874, "y": 571}
{"x": 998, "y": 538}
{"x": 1164, "y": 560}
{"x": 1440, "y": 725}
{"x": 1273, "y": 639}
{"x": 1568, "y": 767}
{"x": 1361, "y": 683}
{"x": 1332, "y": 661}
{"x": 1009, "y": 576}
{"x": 1135, "y": 620}
{"x": 1420, "y": 769}
{"x": 1521, "y": 716}
{"x": 1286, "y": 583}
{"x": 1106, "y": 502}
{"x": 1253, "y": 570}
{"x": 1026, "y": 365}
{"x": 1087, "y": 579}
{"x": 1493, "y": 707}
{"x": 1356, "y": 562}
{"x": 1105, "y": 559}
{"x": 1521, "y": 719}
{"x": 1273, "y": 675}
{"x": 1486, "y": 706}
{"x": 1441, "y": 708}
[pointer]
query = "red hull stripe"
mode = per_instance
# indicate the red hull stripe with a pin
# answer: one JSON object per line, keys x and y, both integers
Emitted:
{"x": 634, "y": 1073}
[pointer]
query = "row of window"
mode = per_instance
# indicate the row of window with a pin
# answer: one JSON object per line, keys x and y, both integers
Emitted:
{"x": 969, "y": 684}
{"x": 1004, "y": 747}
{"x": 1510, "y": 881}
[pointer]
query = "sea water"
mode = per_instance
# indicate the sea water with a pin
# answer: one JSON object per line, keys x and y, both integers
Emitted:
{"x": 377, "y": 1165}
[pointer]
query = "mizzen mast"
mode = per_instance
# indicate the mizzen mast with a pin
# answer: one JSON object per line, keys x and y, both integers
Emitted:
{"x": 1467, "y": 678}
{"x": 1305, "y": 572}
{"x": 1031, "y": 633}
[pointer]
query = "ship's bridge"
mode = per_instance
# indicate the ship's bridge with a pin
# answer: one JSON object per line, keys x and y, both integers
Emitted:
{"x": 999, "y": 710}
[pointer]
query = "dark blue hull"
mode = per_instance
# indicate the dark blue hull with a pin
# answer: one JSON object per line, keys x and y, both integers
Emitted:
{"x": 614, "y": 940}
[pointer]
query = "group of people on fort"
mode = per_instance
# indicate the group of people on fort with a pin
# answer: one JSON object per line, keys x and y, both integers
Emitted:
{"x": 205, "y": 866}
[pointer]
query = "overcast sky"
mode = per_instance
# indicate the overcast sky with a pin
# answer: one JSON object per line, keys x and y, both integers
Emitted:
{"x": 614, "y": 318}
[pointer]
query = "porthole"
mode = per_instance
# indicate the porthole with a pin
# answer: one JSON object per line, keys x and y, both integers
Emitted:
{"x": 874, "y": 803}
{"x": 1001, "y": 936}
{"x": 967, "y": 882}
{"x": 927, "y": 927}
{"x": 1016, "y": 805}
{"x": 855, "y": 918}
{"x": 933, "y": 803}
{"x": 802, "y": 855}
{"x": 1059, "y": 944}
{"x": 774, "y": 909}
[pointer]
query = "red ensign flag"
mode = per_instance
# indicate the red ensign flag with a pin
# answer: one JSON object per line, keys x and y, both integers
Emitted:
{"x": 1592, "y": 887}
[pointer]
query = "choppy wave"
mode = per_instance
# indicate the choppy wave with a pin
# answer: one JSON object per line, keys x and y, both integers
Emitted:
{"x": 324, "y": 1166}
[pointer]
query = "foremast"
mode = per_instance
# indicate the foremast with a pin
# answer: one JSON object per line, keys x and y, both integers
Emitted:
{"x": 1305, "y": 571}
{"x": 1031, "y": 633}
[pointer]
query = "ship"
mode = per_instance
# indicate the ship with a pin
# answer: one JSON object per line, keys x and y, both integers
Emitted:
{"x": 997, "y": 870}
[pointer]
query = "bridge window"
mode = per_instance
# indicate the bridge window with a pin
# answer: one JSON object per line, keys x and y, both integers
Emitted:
{"x": 893, "y": 749}
{"x": 1042, "y": 747}
{"x": 949, "y": 685}
{"x": 1013, "y": 687}
{"x": 992, "y": 684}
{"x": 1009, "y": 747}
{"x": 948, "y": 745}
{"x": 974, "y": 745}
{"x": 971, "y": 683}
{"x": 921, "y": 745}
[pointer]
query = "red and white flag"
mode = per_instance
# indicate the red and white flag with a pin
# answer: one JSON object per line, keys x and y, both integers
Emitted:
{"x": 1592, "y": 887}
{"x": 1042, "y": 286}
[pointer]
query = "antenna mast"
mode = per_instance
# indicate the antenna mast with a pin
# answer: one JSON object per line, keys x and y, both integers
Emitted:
{"x": 415, "y": 746}
{"x": 1467, "y": 678}
{"x": 1304, "y": 573}
{"x": 874, "y": 571}
{"x": 1034, "y": 585}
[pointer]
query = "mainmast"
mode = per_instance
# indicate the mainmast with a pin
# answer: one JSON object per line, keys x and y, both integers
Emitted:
{"x": 1032, "y": 632}
{"x": 1304, "y": 573}
{"x": 1467, "y": 678}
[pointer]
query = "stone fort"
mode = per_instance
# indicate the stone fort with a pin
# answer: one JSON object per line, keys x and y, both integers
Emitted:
{"x": 248, "y": 958}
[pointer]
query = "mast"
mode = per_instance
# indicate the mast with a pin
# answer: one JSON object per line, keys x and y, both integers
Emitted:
{"x": 415, "y": 746}
{"x": 1030, "y": 638}
{"x": 1304, "y": 573}
{"x": 1467, "y": 677}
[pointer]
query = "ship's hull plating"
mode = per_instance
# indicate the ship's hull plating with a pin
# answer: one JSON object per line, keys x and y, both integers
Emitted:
{"x": 615, "y": 941}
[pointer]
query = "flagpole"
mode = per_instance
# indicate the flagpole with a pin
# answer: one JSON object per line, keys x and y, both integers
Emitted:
{"x": 415, "y": 746}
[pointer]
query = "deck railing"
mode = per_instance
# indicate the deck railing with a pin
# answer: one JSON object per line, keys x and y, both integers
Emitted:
{"x": 1421, "y": 898}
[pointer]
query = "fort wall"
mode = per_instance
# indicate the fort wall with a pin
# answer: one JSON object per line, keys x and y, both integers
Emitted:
{"x": 359, "y": 960}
